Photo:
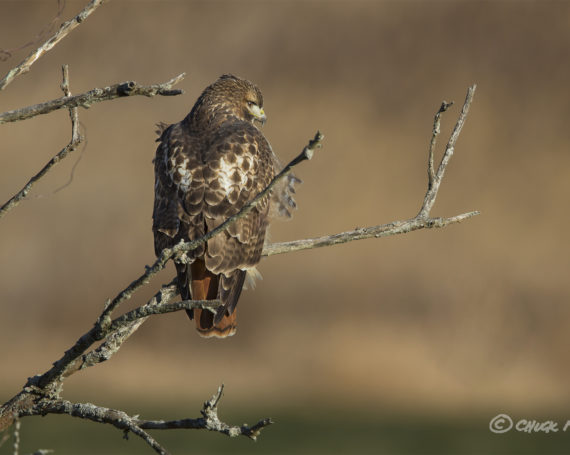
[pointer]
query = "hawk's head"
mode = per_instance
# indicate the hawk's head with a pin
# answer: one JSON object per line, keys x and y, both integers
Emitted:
{"x": 230, "y": 95}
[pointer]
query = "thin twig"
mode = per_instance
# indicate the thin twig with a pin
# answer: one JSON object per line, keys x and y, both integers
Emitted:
{"x": 435, "y": 132}
{"x": 153, "y": 443}
{"x": 209, "y": 421}
{"x": 96, "y": 95}
{"x": 62, "y": 32}
{"x": 163, "y": 308}
{"x": 431, "y": 193}
{"x": 85, "y": 142}
{"x": 65, "y": 82}
{"x": 75, "y": 136}
{"x": 17, "y": 198}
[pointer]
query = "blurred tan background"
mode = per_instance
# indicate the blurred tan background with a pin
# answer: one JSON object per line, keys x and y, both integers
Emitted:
{"x": 465, "y": 321}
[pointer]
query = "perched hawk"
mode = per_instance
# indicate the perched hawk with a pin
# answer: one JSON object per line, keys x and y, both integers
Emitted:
{"x": 207, "y": 167}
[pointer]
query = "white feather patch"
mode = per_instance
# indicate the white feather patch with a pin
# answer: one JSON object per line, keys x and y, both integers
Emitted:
{"x": 179, "y": 173}
{"x": 250, "y": 278}
{"x": 227, "y": 169}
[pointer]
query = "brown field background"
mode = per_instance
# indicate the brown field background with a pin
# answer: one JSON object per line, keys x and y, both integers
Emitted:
{"x": 470, "y": 319}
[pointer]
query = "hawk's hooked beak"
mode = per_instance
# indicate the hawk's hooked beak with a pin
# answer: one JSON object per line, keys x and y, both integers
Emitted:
{"x": 258, "y": 113}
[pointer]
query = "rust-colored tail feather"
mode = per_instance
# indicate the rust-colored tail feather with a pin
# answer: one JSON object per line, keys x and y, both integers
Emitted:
{"x": 204, "y": 286}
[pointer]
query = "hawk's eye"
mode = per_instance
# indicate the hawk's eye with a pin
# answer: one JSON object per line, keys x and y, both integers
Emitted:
{"x": 251, "y": 103}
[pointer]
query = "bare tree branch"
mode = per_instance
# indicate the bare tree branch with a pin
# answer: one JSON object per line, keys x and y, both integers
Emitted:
{"x": 431, "y": 193}
{"x": 121, "y": 420}
{"x": 17, "y": 198}
{"x": 383, "y": 230}
{"x": 435, "y": 132}
{"x": 104, "y": 327}
{"x": 420, "y": 221}
{"x": 95, "y": 413}
{"x": 163, "y": 308}
{"x": 75, "y": 136}
{"x": 41, "y": 393}
{"x": 63, "y": 31}
{"x": 114, "y": 341}
{"x": 209, "y": 421}
{"x": 85, "y": 100}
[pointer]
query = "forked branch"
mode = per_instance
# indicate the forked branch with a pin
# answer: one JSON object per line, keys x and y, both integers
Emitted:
{"x": 85, "y": 100}
{"x": 134, "y": 424}
{"x": 421, "y": 221}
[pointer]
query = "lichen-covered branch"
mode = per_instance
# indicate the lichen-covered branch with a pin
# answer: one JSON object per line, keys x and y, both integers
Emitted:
{"x": 435, "y": 182}
{"x": 73, "y": 115}
{"x": 121, "y": 420}
{"x": 209, "y": 421}
{"x": 435, "y": 132}
{"x": 61, "y": 33}
{"x": 383, "y": 230}
{"x": 116, "y": 338}
{"x": 162, "y": 308}
{"x": 105, "y": 327}
{"x": 96, "y": 95}
{"x": 114, "y": 332}
{"x": 88, "y": 411}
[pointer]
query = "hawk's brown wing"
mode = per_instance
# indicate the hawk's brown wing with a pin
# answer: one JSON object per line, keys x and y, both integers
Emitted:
{"x": 178, "y": 178}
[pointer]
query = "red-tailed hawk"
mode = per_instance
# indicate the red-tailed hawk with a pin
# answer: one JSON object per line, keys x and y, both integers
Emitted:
{"x": 207, "y": 167}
